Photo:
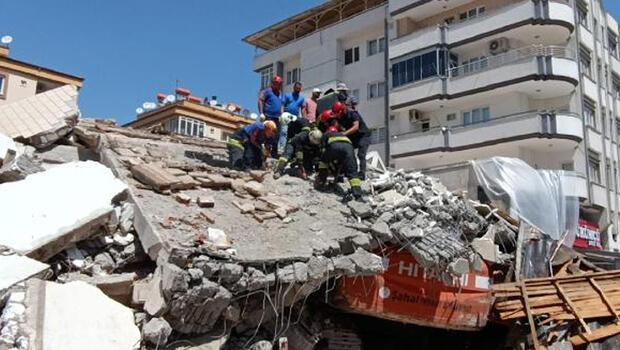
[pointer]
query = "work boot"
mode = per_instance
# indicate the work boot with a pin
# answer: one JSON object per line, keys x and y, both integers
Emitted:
{"x": 356, "y": 192}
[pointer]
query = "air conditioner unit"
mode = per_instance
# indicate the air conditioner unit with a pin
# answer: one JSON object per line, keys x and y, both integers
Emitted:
{"x": 499, "y": 45}
{"x": 414, "y": 115}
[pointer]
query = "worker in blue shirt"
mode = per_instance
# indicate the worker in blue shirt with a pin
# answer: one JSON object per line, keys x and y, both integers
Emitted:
{"x": 270, "y": 108}
{"x": 293, "y": 103}
{"x": 245, "y": 146}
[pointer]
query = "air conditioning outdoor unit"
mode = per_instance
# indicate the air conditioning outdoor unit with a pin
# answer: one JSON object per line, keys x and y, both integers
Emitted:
{"x": 414, "y": 115}
{"x": 499, "y": 45}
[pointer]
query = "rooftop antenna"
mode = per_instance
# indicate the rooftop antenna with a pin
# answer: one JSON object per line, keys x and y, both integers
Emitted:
{"x": 6, "y": 40}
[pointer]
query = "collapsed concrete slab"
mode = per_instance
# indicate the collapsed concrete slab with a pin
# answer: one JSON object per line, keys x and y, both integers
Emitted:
{"x": 16, "y": 268}
{"x": 77, "y": 316}
{"x": 42, "y": 119}
{"x": 44, "y": 213}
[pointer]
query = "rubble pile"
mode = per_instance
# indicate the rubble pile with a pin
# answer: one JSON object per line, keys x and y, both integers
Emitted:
{"x": 418, "y": 213}
{"x": 202, "y": 253}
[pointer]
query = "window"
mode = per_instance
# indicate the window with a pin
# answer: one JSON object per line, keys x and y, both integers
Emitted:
{"x": 2, "y": 85}
{"x": 293, "y": 76}
{"x": 377, "y": 136}
{"x": 570, "y": 166}
{"x": 376, "y": 90}
{"x": 189, "y": 127}
{"x": 612, "y": 43}
{"x": 594, "y": 167}
{"x": 449, "y": 20}
{"x": 265, "y": 77}
{"x": 418, "y": 67}
{"x": 471, "y": 14}
{"x": 376, "y": 46}
{"x": 589, "y": 113}
{"x": 585, "y": 61}
{"x": 351, "y": 55}
{"x": 608, "y": 179}
{"x": 476, "y": 115}
{"x": 582, "y": 14}
{"x": 451, "y": 117}
{"x": 615, "y": 85}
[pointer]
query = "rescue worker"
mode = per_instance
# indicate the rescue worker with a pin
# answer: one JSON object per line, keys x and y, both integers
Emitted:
{"x": 337, "y": 155}
{"x": 355, "y": 129}
{"x": 245, "y": 147}
{"x": 304, "y": 147}
{"x": 270, "y": 107}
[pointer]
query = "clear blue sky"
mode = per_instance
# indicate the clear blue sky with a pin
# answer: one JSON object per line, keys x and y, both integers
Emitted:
{"x": 128, "y": 50}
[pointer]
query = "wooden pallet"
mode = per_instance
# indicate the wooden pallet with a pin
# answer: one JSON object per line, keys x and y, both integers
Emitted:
{"x": 557, "y": 300}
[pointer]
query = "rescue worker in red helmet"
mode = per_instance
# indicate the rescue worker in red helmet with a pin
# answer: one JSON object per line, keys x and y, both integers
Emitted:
{"x": 245, "y": 146}
{"x": 355, "y": 129}
{"x": 337, "y": 156}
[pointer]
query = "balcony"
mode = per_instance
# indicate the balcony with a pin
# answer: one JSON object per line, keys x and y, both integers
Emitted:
{"x": 554, "y": 26}
{"x": 553, "y": 69}
{"x": 514, "y": 127}
{"x": 574, "y": 184}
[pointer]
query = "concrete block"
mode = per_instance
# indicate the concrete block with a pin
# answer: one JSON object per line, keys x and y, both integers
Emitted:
{"x": 183, "y": 198}
{"x": 77, "y": 315}
{"x": 16, "y": 268}
{"x": 254, "y": 188}
{"x": 486, "y": 248}
{"x": 36, "y": 225}
{"x": 205, "y": 202}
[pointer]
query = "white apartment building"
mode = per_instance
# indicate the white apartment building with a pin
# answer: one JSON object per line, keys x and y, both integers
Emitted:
{"x": 472, "y": 79}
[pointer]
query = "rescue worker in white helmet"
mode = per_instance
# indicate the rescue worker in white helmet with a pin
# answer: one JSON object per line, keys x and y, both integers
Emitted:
{"x": 302, "y": 151}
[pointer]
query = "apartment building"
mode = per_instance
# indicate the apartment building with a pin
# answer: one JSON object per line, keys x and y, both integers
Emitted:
{"x": 472, "y": 79}
{"x": 536, "y": 80}
{"x": 337, "y": 41}
{"x": 19, "y": 79}
{"x": 185, "y": 114}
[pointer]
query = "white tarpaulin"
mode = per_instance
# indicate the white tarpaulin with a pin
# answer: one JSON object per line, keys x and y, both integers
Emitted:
{"x": 536, "y": 196}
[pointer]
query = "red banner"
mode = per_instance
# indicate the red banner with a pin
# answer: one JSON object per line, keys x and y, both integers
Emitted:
{"x": 588, "y": 236}
{"x": 404, "y": 293}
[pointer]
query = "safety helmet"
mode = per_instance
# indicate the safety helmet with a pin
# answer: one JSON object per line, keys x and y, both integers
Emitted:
{"x": 270, "y": 128}
{"x": 338, "y": 108}
{"x": 315, "y": 136}
{"x": 276, "y": 79}
{"x": 287, "y": 118}
{"x": 326, "y": 116}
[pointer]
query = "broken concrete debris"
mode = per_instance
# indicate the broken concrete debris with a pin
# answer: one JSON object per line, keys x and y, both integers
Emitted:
{"x": 36, "y": 225}
{"x": 234, "y": 256}
{"x": 42, "y": 119}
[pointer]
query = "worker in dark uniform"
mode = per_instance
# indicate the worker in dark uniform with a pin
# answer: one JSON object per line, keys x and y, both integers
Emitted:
{"x": 245, "y": 147}
{"x": 337, "y": 156}
{"x": 303, "y": 149}
{"x": 354, "y": 127}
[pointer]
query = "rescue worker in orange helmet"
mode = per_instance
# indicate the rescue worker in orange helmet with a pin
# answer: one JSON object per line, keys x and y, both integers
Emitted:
{"x": 245, "y": 147}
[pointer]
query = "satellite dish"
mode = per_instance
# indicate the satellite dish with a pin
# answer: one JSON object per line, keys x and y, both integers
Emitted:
{"x": 253, "y": 116}
{"x": 7, "y": 39}
{"x": 139, "y": 110}
{"x": 149, "y": 105}
{"x": 170, "y": 99}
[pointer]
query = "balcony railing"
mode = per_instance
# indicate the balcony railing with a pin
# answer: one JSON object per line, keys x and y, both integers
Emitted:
{"x": 492, "y": 121}
{"x": 509, "y": 57}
